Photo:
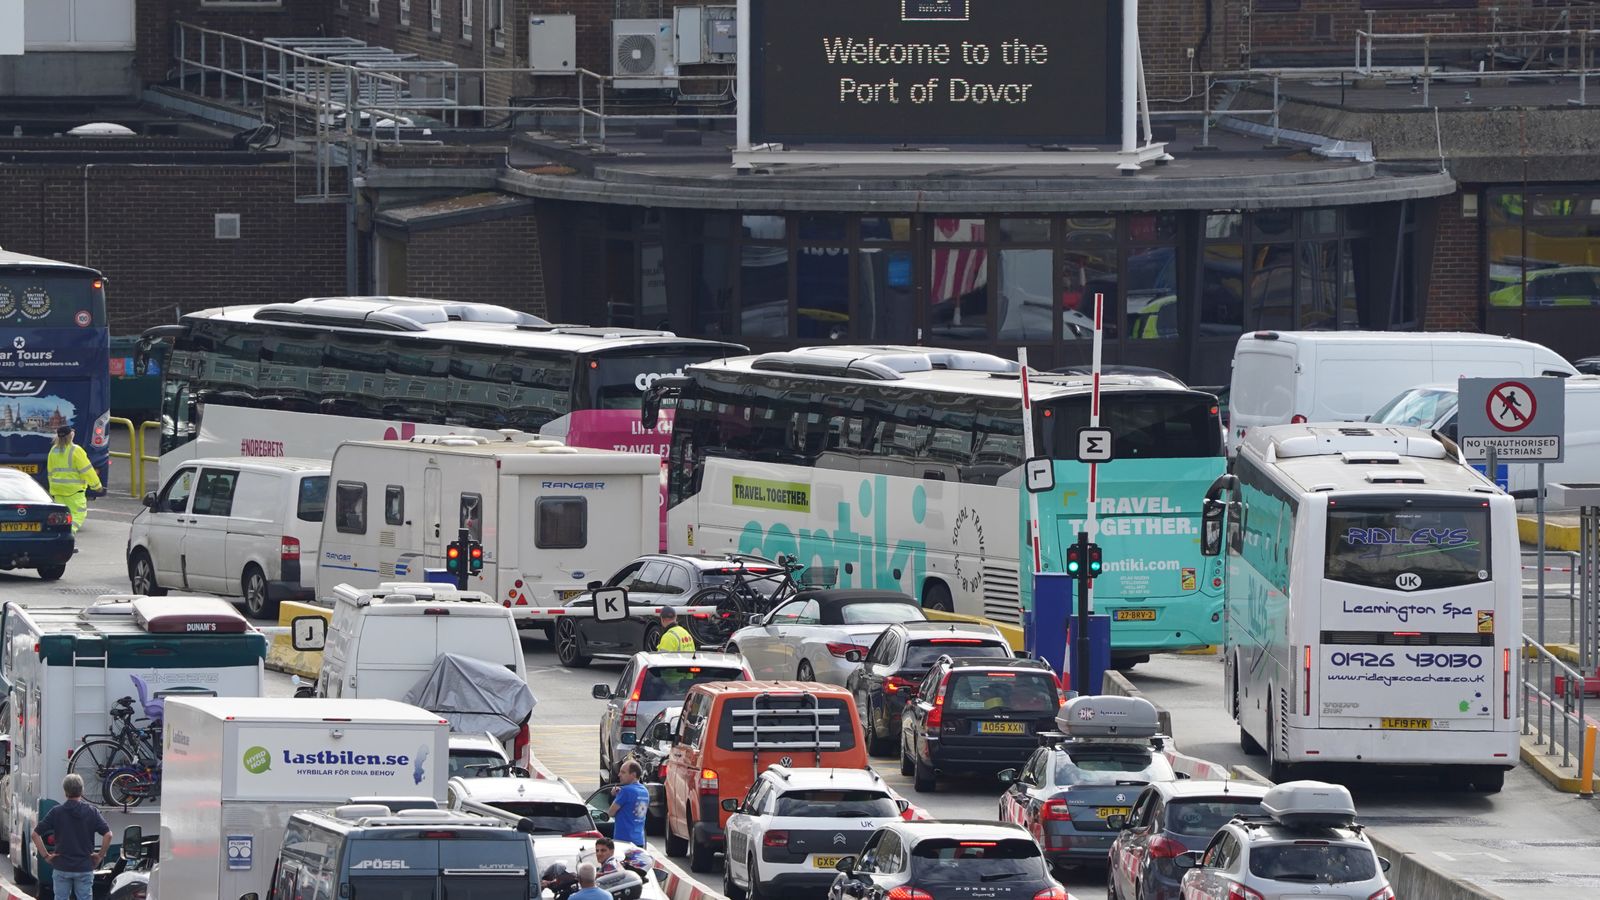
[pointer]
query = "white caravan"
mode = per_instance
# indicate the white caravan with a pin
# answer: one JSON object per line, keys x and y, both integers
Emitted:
{"x": 551, "y": 518}
{"x": 236, "y": 770}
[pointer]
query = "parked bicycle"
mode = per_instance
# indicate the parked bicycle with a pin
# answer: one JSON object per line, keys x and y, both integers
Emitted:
{"x": 749, "y": 594}
{"x": 122, "y": 768}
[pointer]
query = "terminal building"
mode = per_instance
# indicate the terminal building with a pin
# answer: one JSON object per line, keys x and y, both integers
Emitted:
{"x": 1374, "y": 164}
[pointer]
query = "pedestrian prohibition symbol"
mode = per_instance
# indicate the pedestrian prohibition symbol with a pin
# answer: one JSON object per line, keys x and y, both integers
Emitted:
{"x": 1511, "y": 406}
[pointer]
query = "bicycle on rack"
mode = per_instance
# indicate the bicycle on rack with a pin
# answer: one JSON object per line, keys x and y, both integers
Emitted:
{"x": 122, "y": 768}
{"x": 748, "y": 594}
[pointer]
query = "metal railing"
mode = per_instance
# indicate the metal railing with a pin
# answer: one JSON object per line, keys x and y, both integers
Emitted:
{"x": 1561, "y": 571}
{"x": 1552, "y": 702}
{"x": 1491, "y": 43}
{"x": 135, "y": 454}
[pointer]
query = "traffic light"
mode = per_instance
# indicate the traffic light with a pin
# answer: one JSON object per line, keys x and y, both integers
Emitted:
{"x": 452, "y": 558}
{"x": 1094, "y": 560}
{"x": 474, "y": 557}
{"x": 1075, "y": 560}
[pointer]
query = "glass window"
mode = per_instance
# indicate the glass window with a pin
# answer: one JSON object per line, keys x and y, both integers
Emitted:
{"x": 1151, "y": 292}
{"x": 1410, "y": 548}
{"x": 797, "y": 612}
{"x": 562, "y": 523}
{"x": 1108, "y": 765}
{"x": 1145, "y": 425}
{"x": 674, "y": 682}
{"x": 1026, "y": 231}
{"x": 880, "y": 613}
{"x": 175, "y": 497}
{"x": 350, "y": 507}
{"x": 1274, "y": 225}
{"x": 1147, "y": 228}
{"x": 822, "y": 291}
{"x": 886, "y": 304}
{"x": 394, "y": 505}
{"x": 946, "y": 861}
{"x": 885, "y": 229}
{"x": 711, "y": 290}
{"x": 1202, "y": 817}
{"x": 1272, "y": 286}
{"x": 1319, "y": 862}
{"x": 1222, "y": 291}
{"x": 962, "y": 231}
{"x": 313, "y": 498}
{"x": 1088, "y": 267}
{"x": 214, "y": 496}
{"x": 922, "y": 654}
{"x": 764, "y": 228}
{"x": 1319, "y": 287}
{"x": 821, "y": 227}
{"x": 540, "y": 386}
{"x": 1021, "y": 691}
{"x": 763, "y": 290}
{"x": 958, "y": 282}
{"x": 1224, "y": 226}
{"x": 676, "y": 580}
{"x": 1024, "y": 288}
{"x": 1319, "y": 221}
{"x": 837, "y": 804}
{"x": 472, "y": 515}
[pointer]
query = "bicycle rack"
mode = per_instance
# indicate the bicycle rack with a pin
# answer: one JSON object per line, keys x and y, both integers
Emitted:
{"x": 762, "y": 708}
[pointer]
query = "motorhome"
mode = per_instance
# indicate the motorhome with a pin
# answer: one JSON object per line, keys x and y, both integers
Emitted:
{"x": 68, "y": 669}
{"x": 550, "y": 518}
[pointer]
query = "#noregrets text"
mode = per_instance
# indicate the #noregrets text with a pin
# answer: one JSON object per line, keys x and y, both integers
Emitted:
{"x": 848, "y": 51}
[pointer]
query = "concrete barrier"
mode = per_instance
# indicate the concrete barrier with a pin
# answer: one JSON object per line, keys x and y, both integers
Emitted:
{"x": 681, "y": 885}
{"x": 1558, "y": 535}
{"x": 281, "y": 656}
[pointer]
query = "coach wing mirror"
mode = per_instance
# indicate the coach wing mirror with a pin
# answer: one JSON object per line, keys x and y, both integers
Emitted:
{"x": 663, "y": 387}
{"x": 1212, "y": 513}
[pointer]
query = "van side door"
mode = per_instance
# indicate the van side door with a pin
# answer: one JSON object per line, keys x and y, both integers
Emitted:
{"x": 205, "y": 538}
{"x": 164, "y": 526}
{"x": 256, "y": 528}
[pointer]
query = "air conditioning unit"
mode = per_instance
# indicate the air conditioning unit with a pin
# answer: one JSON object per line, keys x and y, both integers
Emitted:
{"x": 641, "y": 54}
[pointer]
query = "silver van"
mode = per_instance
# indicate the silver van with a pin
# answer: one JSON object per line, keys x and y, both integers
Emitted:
{"x": 236, "y": 527}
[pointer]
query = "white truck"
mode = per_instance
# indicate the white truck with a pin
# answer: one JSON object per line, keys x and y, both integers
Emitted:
{"x": 235, "y": 770}
{"x": 550, "y": 518}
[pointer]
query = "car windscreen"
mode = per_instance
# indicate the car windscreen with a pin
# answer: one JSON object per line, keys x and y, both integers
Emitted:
{"x": 1110, "y": 764}
{"x": 550, "y": 817}
{"x": 1202, "y": 816}
{"x": 837, "y": 804}
{"x": 950, "y": 860}
{"x": 923, "y": 654}
{"x": 1001, "y": 692}
{"x": 1418, "y": 407}
{"x": 1314, "y": 862}
{"x": 674, "y": 682}
{"x": 880, "y": 613}
{"x": 1408, "y": 546}
{"x": 461, "y": 762}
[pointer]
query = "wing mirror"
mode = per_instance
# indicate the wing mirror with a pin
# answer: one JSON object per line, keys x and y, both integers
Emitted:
{"x": 1190, "y": 860}
{"x": 595, "y": 585}
{"x": 854, "y": 656}
{"x": 730, "y": 805}
{"x": 1116, "y": 823}
{"x": 600, "y": 692}
{"x": 902, "y": 805}
{"x": 1006, "y": 776}
{"x": 846, "y": 864}
{"x": 149, "y": 501}
{"x": 1384, "y": 863}
{"x": 132, "y": 843}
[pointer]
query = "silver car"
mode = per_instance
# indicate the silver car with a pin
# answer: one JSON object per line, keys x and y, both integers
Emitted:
{"x": 649, "y": 683}
{"x": 811, "y": 636}
{"x": 1257, "y": 857}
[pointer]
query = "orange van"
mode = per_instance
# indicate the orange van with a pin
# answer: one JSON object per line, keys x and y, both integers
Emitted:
{"x": 730, "y": 732}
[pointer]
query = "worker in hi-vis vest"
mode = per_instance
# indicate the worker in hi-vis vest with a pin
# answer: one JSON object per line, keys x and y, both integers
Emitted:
{"x": 674, "y": 638}
{"x": 71, "y": 476}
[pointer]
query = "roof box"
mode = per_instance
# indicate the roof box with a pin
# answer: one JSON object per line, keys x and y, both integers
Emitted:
{"x": 1310, "y": 804}
{"x": 188, "y": 615}
{"x": 1122, "y": 717}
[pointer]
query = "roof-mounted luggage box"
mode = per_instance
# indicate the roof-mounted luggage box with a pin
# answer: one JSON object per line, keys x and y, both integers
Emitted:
{"x": 1109, "y": 717}
{"x": 1310, "y": 804}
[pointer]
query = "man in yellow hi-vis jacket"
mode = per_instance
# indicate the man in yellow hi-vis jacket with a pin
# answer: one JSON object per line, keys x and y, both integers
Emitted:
{"x": 71, "y": 476}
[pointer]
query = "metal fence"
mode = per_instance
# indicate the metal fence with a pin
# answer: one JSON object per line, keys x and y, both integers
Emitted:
{"x": 1552, "y": 703}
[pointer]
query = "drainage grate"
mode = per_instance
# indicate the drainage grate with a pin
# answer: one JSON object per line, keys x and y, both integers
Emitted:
{"x": 1444, "y": 821}
{"x": 93, "y": 590}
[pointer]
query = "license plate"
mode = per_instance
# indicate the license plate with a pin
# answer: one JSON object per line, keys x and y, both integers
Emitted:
{"x": 19, "y": 526}
{"x": 1133, "y": 615}
{"x": 1409, "y": 724}
{"x": 30, "y": 468}
{"x": 825, "y": 862}
{"x": 1001, "y": 728}
{"x": 1106, "y": 812}
{"x": 568, "y": 595}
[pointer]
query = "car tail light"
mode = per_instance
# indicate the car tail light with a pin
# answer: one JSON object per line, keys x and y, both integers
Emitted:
{"x": 1053, "y": 892}
{"x": 956, "y": 641}
{"x": 775, "y": 839}
{"x": 1162, "y": 847}
{"x": 894, "y": 684}
{"x": 1063, "y": 685}
{"x": 936, "y": 715}
{"x": 661, "y": 772}
{"x": 1056, "y": 811}
{"x": 630, "y": 709}
{"x": 708, "y": 781}
{"x": 289, "y": 548}
{"x": 439, "y": 835}
{"x": 58, "y": 518}
{"x": 1385, "y": 893}
{"x": 521, "y": 748}
{"x": 584, "y": 834}
{"x": 907, "y": 892}
{"x": 840, "y": 648}
{"x": 1240, "y": 892}
{"x": 1505, "y": 684}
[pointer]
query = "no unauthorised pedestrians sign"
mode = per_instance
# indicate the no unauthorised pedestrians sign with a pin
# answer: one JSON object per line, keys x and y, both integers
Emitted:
{"x": 1523, "y": 419}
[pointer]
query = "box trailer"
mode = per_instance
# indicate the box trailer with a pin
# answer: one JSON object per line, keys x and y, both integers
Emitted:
{"x": 237, "y": 769}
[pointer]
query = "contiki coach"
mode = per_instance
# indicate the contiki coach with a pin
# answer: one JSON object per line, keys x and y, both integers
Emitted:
{"x": 1374, "y": 602}
{"x": 900, "y": 467}
{"x": 297, "y": 379}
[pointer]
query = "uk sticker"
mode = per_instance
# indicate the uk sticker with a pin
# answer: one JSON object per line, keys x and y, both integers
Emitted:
{"x": 1486, "y": 621}
{"x": 1408, "y": 581}
{"x": 1190, "y": 581}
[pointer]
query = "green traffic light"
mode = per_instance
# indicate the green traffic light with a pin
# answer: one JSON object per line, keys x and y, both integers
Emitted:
{"x": 1072, "y": 567}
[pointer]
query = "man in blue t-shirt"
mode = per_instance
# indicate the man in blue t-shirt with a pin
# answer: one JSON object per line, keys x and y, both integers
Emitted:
{"x": 74, "y": 857}
{"x": 630, "y": 806}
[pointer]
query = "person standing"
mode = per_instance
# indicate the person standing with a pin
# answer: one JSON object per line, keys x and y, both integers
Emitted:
{"x": 74, "y": 824}
{"x": 630, "y": 805}
{"x": 586, "y": 889}
{"x": 71, "y": 476}
{"x": 674, "y": 637}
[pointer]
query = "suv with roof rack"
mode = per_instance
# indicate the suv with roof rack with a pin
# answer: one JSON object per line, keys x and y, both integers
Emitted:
{"x": 976, "y": 717}
{"x": 1307, "y": 843}
{"x": 892, "y": 669}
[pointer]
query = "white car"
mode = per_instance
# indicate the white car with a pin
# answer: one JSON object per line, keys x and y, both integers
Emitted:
{"x": 795, "y": 825}
{"x": 810, "y": 636}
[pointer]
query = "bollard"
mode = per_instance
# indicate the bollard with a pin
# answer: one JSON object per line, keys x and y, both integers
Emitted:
{"x": 1586, "y": 781}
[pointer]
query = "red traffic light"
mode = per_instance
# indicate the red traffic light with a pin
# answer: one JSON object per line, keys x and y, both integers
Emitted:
{"x": 477, "y": 551}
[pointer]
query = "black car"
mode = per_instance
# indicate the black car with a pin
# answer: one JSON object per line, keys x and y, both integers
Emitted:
{"x": 949, "y": 860}
{"x": 976, "y": 717}
{"x": 35, "y": 530}
{"x": 891, "y": 670}
{"x": 656, "y": 579}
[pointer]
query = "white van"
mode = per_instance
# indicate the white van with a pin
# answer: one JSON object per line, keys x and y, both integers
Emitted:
{"x": 1433, "y": 406}
{"x": 1285, "y": 377}
{"x": 237, "y": 527}
{"x": 551, "y": 518}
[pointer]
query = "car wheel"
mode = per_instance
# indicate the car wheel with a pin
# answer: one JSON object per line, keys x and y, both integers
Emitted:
{"x": 906, "y": 766}
{"x": 1489, "y": 782}
{"x": 52, "y": 573}
{"x": 569, "y": 645}
{"x": 755, "y": 892}
{"x": 652, "y": 637}
{"x": 1143, "y": 891}
{"x": 142, "y": 575}
{"x": 677, "y": 846}
{"x": 937, "y": 596}
{"x": 805, "y": 672}
{"x": 254, "y": 585}
{"x": 922, "y": 777}
{"x": 702, "y": 856}
{"x": 655, "y": 825}
{"x": 729, "y": 889}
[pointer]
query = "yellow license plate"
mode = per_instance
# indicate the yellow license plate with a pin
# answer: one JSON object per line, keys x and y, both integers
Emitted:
{"x": 1001, "y": 728}
{"x": 1106, "y": 812}
{"x": 30, "y": 468}
{"x": 19, "y": 526}
{"x": 825, "y": 862}
{"x": 1134, "y": 615}
{"x": 568, "y": 595}
{"x": 1409, "y": 724}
